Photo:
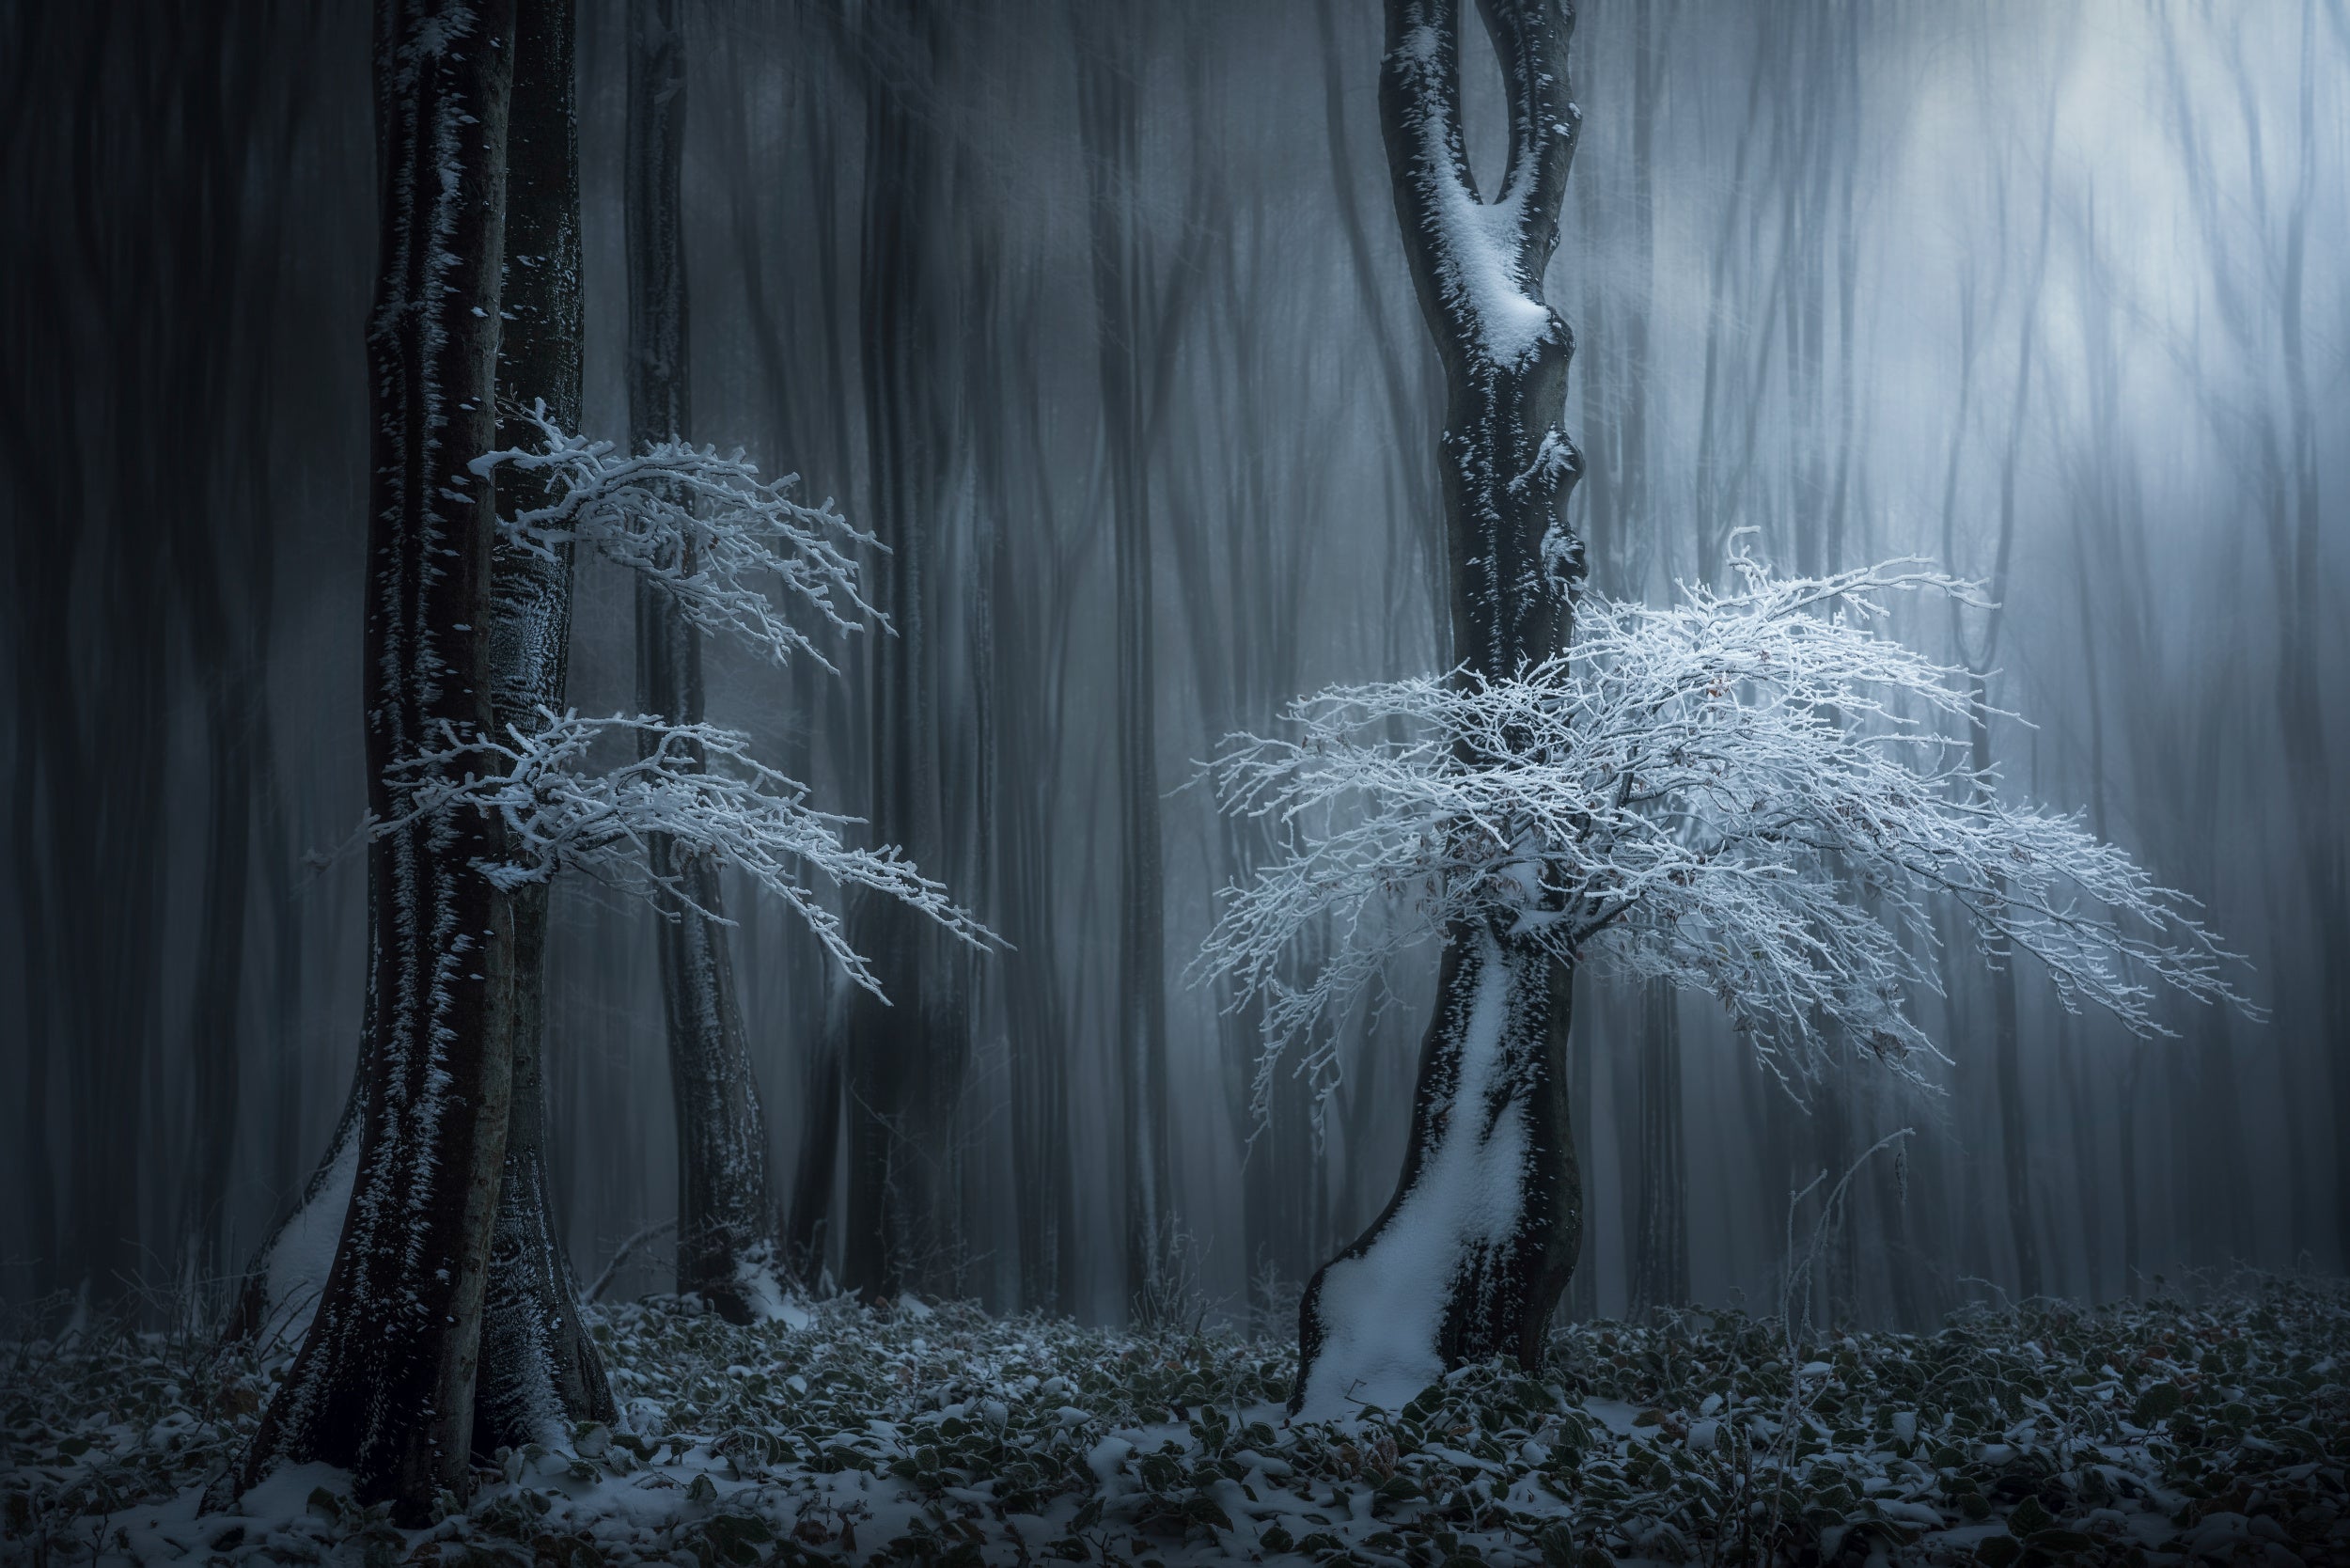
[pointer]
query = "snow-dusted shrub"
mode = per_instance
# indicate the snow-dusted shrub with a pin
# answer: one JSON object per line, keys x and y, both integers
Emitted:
{"x": 2217, "y": 1430}
{"x": 1746, "y": 792}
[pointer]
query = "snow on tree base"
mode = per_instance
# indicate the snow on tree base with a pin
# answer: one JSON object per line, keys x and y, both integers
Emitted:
{"x": 2161, "y": 1432}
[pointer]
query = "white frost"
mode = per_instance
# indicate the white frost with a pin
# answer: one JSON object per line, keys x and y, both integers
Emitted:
{"x": 1748, "y": 794}
{"x": 699, "y": 786}
{"x": 701, "y": 526}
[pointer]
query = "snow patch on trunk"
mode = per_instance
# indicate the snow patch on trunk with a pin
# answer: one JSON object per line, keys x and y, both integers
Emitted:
{"x": 1383, "y": 1311}
{"x": 304, "y": 1251}
{"x": 1478, "y": 244}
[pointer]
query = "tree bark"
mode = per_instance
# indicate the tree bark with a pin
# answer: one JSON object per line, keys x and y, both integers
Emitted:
{"x": 1440, "y": 1279}
{"x": 383, "y": 1384}
{"x": 540, "y": 1370}
{"x": 725, "y": 1249}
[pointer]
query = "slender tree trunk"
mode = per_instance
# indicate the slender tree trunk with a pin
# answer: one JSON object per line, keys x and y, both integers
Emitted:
{"x": 1481, "y": 1232}
{"x": 1660, "y": 1239}
{"x": 383, "y": 1386}
{"x": 811, "y": 1210}
{"x": 220, "y": 964}
{"x": 2133, "y": 1208}
{"x": 2303, "y": 688}
{"x": 906, "y": 1057}
{"x": 1110, "y": 125}
{"x": 725, "y": 1246}
{"x": 1582, "y": 1297}
{"x": 539, "y": 1370}
{"x": 2015, "y": 1136}
{"x": 1902, "y": 1271}
{"x": 1036, "y": 1007}
{"x": 2086, "y": 1097}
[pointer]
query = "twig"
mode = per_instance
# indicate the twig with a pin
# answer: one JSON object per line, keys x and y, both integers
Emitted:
{"x": 648, "y": 1233}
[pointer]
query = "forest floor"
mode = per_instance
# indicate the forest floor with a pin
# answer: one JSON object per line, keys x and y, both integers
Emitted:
{"x": 2161, "y": 1430}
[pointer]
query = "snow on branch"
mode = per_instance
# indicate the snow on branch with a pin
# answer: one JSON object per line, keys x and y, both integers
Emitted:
{"x": 697, "y": 787}
{"x": 705, "y": 527}
{"x": 1483, "y": 260}
{"x": 1745, "y": 793}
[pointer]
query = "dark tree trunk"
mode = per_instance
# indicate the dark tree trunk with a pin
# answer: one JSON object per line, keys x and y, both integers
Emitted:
{"x": 1109, "y": 123}
{"x": 2303, "y": 688}
{"x": 540, "y": 1370}
{"x": 1659, "y": 1263}
{"x": 383, "y": 1386}
{"x": 1488, "y": 1114}
{"x": 1026, "y": 674}
{"x": 2015, "y": 1136}
{"x": 2016, "y": 1150}
{"x": 797, "y": 971}
{"x": 811, "y": 1210}
{"x": 725, "y": 1248}
{"x": 1582, "y": 1295}
{"x": 231, "y": 699}
{"x": 906, "y": 1057}
{"x": 1489, "y": 1107}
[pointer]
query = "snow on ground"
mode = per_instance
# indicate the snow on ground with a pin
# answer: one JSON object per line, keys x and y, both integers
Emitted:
{"x": 2160, "y": 1432}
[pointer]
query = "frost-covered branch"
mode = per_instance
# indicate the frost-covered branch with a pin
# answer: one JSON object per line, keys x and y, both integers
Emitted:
{"x": 705, "y": 527}
{"x": 1744, "y": 793}
{"x": 699, "y": 786}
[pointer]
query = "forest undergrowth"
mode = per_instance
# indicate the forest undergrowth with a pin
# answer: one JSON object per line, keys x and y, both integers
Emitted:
{"x": 2211, "y": 1429}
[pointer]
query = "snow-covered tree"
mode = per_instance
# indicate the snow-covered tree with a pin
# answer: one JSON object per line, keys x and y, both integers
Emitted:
{"x": 420, "y": 1268}
{"x": 559, "y": 792}
{"x": 383, "y": 1384}
{"x": 1749, "y": 793}
{"x": 1476, "y": 265}
{"x": 1662, "y": 796}
{"x": 539, "y": 1369}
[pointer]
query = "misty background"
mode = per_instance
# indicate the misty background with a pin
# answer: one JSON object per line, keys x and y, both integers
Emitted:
{"x": 2051, "y": 295}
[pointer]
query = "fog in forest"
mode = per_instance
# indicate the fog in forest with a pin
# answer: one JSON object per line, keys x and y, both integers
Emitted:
{"x": 1098, "y": 317}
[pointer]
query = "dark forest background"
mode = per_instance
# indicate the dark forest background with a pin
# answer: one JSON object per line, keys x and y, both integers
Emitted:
{"x": 2050, "y": 293}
